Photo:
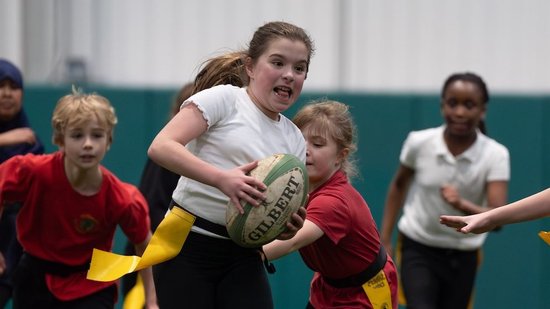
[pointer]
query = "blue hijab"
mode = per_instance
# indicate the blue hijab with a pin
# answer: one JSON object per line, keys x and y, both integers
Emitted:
{"x": 10, "y": 71}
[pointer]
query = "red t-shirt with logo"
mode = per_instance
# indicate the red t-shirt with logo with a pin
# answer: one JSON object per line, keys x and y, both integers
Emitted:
{"x": 58, "y": 224}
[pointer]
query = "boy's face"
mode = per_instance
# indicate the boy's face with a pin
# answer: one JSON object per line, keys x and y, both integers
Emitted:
{"x": 10, "y": 99}
{"x": 85, "y": 144}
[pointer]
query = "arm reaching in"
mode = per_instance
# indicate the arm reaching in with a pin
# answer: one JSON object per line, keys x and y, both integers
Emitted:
{"x": 305, "y": 236}
{"x": 532, "y": 207}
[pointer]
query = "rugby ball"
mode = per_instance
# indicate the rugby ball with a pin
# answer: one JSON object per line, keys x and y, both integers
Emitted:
{"x": 287, "y": 187}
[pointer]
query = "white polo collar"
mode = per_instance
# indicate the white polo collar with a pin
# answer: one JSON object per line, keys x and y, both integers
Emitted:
{"x": 470, "y": 154}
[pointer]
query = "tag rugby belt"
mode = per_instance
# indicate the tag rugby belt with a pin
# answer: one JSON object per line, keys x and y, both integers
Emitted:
{"x": 372, "y": 280}
{"x": 221, "y": 230}
{"x": 364, "y": 276}
{"x": 204, "y": 224}
{"x": 49, "y": 267}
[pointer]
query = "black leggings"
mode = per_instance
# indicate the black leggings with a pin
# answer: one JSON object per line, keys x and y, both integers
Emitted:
{"x": 434, "y": 278}
{"x": 213, "y": 273}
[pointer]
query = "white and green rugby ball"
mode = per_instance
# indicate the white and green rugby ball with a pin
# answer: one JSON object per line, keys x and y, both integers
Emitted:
{"x": 287, "y": 187}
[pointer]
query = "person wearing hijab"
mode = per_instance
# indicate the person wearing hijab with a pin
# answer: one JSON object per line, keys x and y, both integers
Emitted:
{"x": 16, "y": 138}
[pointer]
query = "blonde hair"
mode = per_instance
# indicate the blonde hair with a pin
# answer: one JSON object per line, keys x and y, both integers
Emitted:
{"x": 78, "y": 108}
{"x": 332, "y": 119}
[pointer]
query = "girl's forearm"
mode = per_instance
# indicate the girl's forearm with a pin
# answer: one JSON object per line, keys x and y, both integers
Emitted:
{"x": 532, "y": 207}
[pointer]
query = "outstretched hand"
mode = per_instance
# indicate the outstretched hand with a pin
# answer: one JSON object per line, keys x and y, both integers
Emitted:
{"x": 477, "y": 223}
{"x": 238, "y": 185}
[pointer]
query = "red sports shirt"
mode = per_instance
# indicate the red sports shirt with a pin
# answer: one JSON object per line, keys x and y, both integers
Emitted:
{"x": 58, "y": 224}
{"x": 349, "y": 245}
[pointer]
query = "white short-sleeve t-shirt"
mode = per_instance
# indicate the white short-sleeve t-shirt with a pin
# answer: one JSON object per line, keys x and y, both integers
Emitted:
{"x": 426, "y": 152}
{"x": 238, "y": 133}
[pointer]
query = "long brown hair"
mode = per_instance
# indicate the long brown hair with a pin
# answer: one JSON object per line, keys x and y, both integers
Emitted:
{"x": 229, "y": 68}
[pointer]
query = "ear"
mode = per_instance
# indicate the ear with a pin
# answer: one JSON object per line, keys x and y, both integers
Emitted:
{"x": 59, "y": 142}
{"x": 342, "y": 155}
{"x": 249, "y": 67}
{"x": 61, "y": 148}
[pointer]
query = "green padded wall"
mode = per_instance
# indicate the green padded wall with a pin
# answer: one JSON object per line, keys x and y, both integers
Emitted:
{"x": 513, "y": 273}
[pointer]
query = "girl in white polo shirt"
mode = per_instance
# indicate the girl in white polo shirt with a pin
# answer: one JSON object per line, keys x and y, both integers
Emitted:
{"x": 451, "y": 169}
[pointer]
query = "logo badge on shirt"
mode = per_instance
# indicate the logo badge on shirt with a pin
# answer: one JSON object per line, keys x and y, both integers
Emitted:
{"x": 86, "y": 224}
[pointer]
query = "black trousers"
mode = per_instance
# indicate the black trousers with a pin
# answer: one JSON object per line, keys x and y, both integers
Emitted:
{"x": 10, "y": 247}
{"x": 435, "y": 278}
{"x": 212, "y": 273}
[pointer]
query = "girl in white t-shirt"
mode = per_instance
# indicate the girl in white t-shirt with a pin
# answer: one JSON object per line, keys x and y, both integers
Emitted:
{"x": 451, "y": 169}
{"x": 213, "y": 142}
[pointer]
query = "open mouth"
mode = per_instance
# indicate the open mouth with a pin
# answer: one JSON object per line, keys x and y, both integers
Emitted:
{"x": 284, "y": 92}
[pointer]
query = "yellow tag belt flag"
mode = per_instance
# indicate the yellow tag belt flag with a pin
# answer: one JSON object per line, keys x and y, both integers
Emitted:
{"x": 135, "y": 299}
{"x": 378, "y": 291}
{"x": 165, "y": 244}
{"x": 545, "y": 236}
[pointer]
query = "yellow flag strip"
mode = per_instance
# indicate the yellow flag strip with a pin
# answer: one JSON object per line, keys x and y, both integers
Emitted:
{"x": 545, "y": 236}
{"x": 135, "y": 299}
{"x": 165, "y": 244}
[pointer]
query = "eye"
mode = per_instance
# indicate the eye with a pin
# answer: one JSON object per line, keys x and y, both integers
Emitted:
{"x": 99, "y": 134}
{"x": 75, "y": 135}
{"x": 11, "y": 84}
{"x": 451, "y": 103}
{"x": 471, "y": 104}
{"x": 318, "y": 144}
{"x": 277, "y": 63}
{"x": 300, "y": 68}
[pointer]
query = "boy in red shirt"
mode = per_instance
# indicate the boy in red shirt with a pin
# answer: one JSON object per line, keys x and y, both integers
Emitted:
{"x": 71, "y": 205}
